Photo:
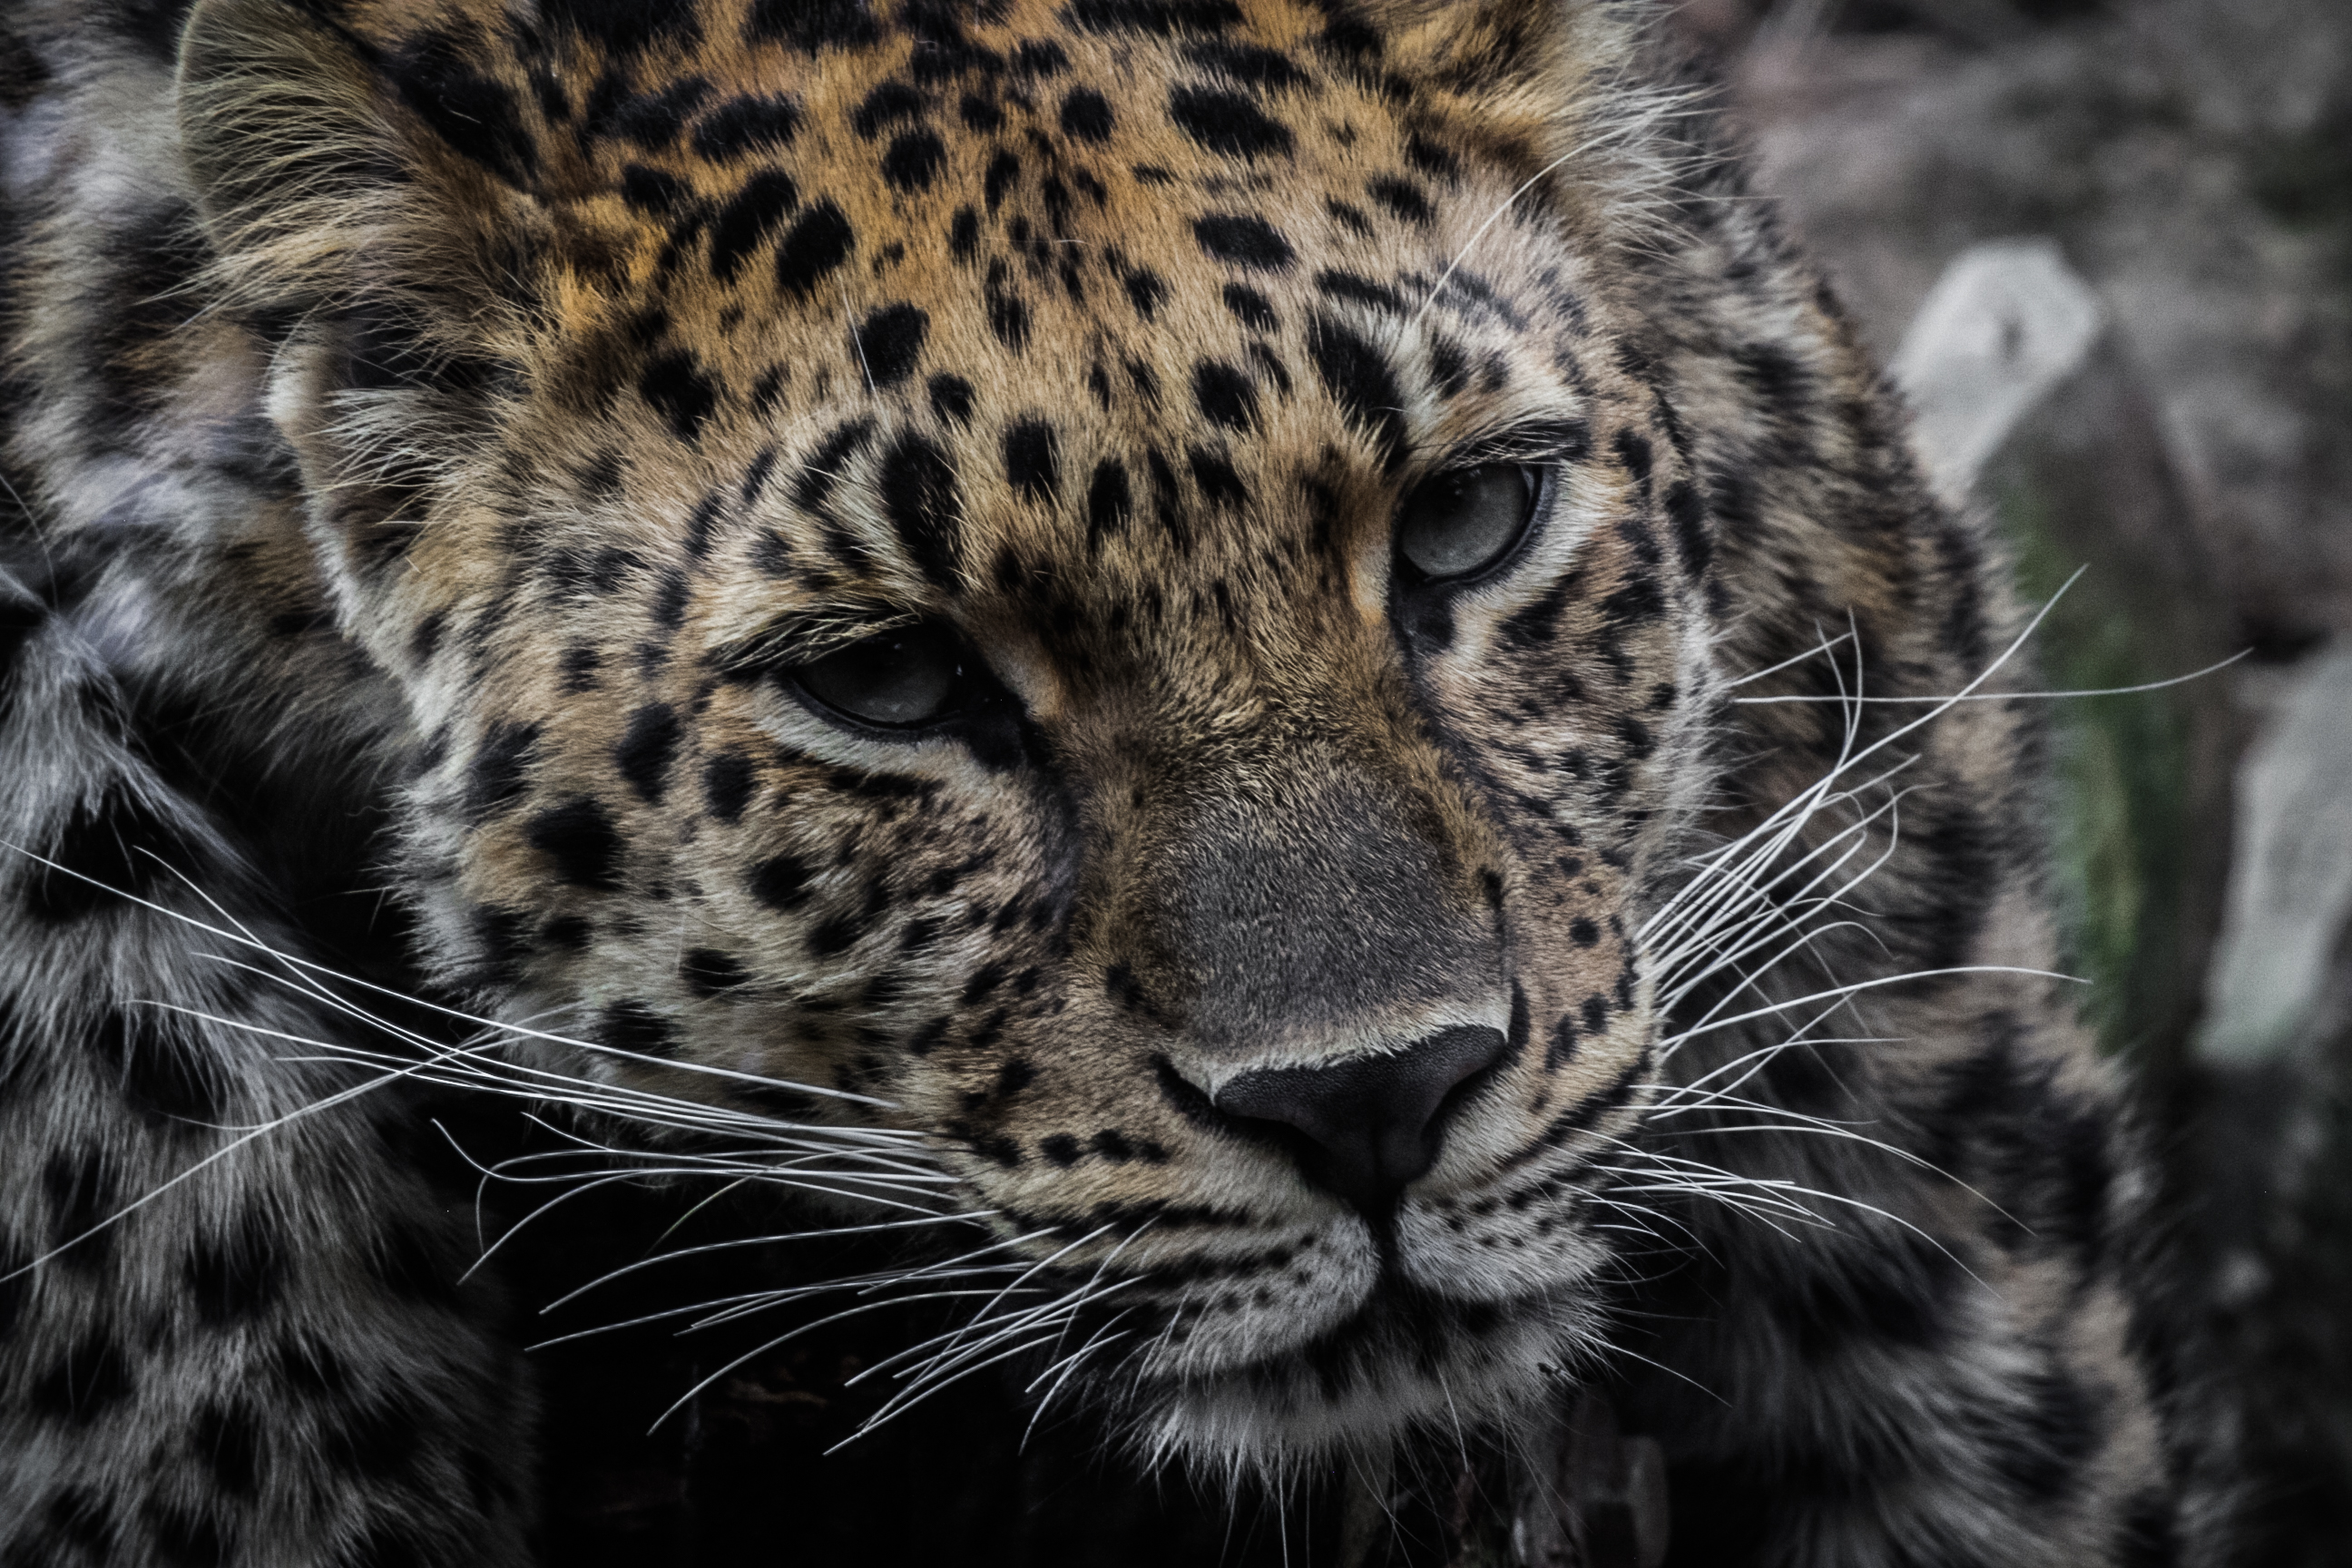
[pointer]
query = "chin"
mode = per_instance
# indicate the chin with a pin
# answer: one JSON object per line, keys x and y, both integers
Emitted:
{"x": 1402, "y": 1357}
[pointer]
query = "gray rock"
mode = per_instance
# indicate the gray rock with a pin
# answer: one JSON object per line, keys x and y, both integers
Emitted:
{"x": 2291, "y": 874}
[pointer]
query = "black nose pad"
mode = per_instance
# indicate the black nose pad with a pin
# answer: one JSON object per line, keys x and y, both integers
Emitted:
{"x": 1367, "y": 1126}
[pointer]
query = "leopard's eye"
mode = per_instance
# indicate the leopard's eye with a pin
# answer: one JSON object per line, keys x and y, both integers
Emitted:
{"x": 1464, "y": 521}
{"x": 896, "y": 679}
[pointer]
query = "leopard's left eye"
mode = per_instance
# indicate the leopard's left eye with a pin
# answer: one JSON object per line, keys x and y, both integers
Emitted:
{"x": 1457, "y": 525}
{"x": 897, "y": 679}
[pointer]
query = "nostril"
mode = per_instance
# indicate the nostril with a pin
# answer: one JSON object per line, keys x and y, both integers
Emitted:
{"x": 1367, "y": 1126}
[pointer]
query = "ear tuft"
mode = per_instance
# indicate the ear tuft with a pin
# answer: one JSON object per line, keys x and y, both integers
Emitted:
{"x": 320, "y": 155}
{"x": 1569, "y": 85}
{"x": 1478, "y": 48}
{"x": 364, "y": 217}
{"x": 286, "y": 141}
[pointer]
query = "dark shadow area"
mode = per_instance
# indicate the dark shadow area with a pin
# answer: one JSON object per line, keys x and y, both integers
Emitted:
{"x": 751, "y": 1469}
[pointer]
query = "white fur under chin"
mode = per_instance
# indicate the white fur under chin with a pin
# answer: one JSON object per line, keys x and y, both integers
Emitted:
{"x": 1273, "y": 1421}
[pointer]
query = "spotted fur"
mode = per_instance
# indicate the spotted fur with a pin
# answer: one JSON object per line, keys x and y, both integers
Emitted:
{"x": 439, "y": 430}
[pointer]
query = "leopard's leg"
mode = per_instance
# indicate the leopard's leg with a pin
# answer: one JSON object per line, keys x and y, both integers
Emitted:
{"x": 217, "y": 1344}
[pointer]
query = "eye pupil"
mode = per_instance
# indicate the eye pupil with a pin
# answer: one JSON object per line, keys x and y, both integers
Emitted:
{"x": 1461, "y": 522}
{"x": 895, "y": 678}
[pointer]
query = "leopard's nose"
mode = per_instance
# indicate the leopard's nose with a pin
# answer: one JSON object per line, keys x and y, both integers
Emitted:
{"x": 1367, "y": 1126}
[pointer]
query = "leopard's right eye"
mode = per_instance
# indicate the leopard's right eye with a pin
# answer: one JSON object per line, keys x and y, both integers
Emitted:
{"x": 1457, "y": 525}
{"x": 899, "y": 680}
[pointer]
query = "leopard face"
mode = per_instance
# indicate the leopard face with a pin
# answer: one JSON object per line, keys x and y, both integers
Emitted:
{"x": 1101, "y": 582}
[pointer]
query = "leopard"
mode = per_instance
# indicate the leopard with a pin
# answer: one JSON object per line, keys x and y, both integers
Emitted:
{"x": 1280, "y": 659}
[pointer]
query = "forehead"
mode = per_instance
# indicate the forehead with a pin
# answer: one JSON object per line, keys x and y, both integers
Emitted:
{"x": 1076, "y": 266}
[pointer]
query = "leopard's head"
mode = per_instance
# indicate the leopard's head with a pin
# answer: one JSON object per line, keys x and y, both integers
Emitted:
{"x": 1104, "y": 582}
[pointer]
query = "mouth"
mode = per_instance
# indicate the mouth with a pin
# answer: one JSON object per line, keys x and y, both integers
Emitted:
{"x": 1459, "y": 1260}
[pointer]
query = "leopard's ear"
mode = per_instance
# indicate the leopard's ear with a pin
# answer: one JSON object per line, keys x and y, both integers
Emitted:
{"x": 373, "y": 210}
{"x": 1492, "y": 51}
{"x": 323, "y": 155}
{"x": 286, "y": 141}
{"x": 1569, "y": 84}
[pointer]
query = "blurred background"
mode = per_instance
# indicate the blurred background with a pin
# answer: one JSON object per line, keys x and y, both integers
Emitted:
{"x": 2107, "y": 246}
